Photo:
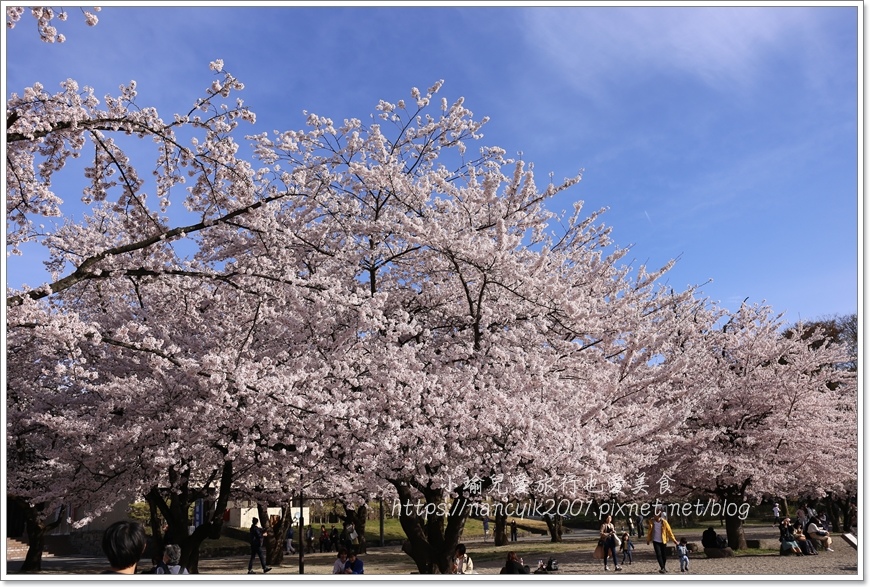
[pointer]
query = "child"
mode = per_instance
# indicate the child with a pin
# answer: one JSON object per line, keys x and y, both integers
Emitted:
{"x": 626, "y": 547}
{"x": 683, "y": 553}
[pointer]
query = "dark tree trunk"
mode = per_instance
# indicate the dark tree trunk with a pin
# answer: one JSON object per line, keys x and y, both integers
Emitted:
{"x": 277, "y": 537}
{"x": 499, "y": 532}
{"x": 734, "y": 532}
{"x": 36, "y": 532}
{"x": 432, "y": 538}
{"x": 731, "y": 498}
{"x": 554, "y": 525}
{"x": 357, "y": 516}
{"x": 837, "y": 510}
{"x": 175, "y": 512}
{"x": 156, "y": 523}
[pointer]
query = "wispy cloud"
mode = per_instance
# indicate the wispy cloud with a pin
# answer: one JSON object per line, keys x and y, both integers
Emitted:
{"x": 722, "y": 47}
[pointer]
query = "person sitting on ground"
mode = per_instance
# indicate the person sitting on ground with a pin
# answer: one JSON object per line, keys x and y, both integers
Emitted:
{"x": 123, "y": 543}
{"x": 462, "y": 563}
{"x": 354, "y": 565}
{"x": 514, "y": 565}
{"x": 340, "y": 562}
{"x": 171, "y": 562}
{"x": 816, "y": 532}
{"x": 709, "y": 539}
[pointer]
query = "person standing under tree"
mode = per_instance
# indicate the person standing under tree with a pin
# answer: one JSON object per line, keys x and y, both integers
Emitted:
{"x": 485, "y": 528}
{"x": 257, "y": 547}
{"x": 660, "y": 533}
{"x": 776, "y": 514}
{"x": 513, "y": 530}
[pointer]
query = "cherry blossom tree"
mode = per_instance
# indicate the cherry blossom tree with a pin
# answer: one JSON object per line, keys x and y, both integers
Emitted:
{"x": 479, "y": 331}
{"x": 772, "y": 417}
{"x": 45, "y": 16}
{"x": 49, "y": 469}
{"x": 412, "y": 301}
{"x": 354, "y": 308}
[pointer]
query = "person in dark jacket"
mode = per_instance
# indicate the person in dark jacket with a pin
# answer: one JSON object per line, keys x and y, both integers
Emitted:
{"x": 514, "y": 565}
{"x": 257, "y": 547}
{"x": 354, "y": 565}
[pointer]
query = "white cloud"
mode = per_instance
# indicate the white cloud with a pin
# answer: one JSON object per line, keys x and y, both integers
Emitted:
{"x": 722, "y": 47}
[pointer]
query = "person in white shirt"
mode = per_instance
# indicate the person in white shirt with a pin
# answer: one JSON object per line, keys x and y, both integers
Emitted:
{"x": 462, "y": 563}
{"x": 815, "y": 532}
{"x": 338, "y": 566}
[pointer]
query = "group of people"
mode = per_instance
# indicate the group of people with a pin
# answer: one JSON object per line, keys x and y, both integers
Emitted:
{"x": 348, "y": 563}
{"x": 659, "y": 534}
{"x": 809, "y": 533}
{"x": 328, "y": 541}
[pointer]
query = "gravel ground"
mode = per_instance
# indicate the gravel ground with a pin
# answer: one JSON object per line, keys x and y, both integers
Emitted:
{"x": 390, "y": 561}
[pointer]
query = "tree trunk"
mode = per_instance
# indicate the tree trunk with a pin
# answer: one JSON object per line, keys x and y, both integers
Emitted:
{"x": 554, "y": 525}
{"x": 734, "y": 532}
{"x": 175, "y": 512}
{"x": 431, "y": 542}
{"x": 36, "y": 532}
{"x": 277, "y": 537}
{"x": 357, "y": 517}
{"x": 499, "y": 532}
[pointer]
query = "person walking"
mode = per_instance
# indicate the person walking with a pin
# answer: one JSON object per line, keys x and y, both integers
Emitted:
{"x": 288, "y": 546}
{"x": 626, "y": 547}
{"x": 659, "y": 533}
{"x": 257, "y": 535}
{"x": 485, "y": 528}
{"x": 683, "y": 553}
{"x": 513, "y": 530}
{"x": 608, "y": 536}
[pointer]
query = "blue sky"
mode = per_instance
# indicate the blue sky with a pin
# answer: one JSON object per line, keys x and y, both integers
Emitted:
{"x": 725, "y": 136}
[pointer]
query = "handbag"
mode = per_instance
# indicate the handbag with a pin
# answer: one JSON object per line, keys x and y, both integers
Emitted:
{"x": 616, "y": 541}
{"x": 598, "y": 553}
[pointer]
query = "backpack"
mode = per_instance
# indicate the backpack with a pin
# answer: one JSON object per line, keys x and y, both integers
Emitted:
{"x": 162, "y": 566}
{"x": 552, "y": 565}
